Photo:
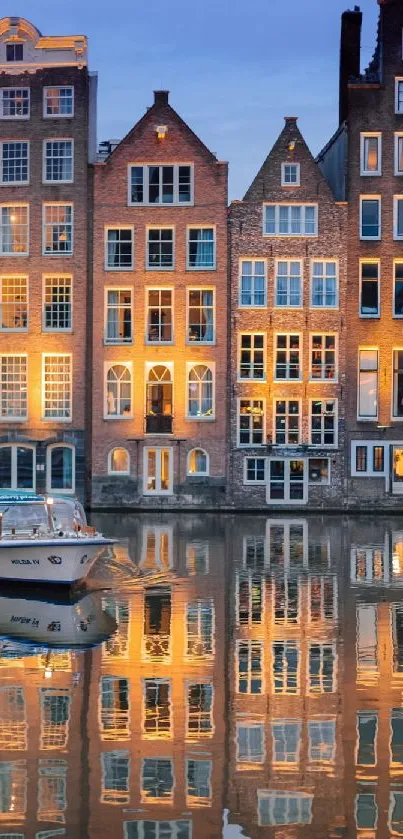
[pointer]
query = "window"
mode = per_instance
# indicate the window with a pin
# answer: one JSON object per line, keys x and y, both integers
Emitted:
{"x": 250, "y": 745}
{"x": 399, "y": 96}
{"x": 201, "y": 248}
{"x": 157, "y": 721}
{"x": 58, "y": 303}
{"x": 13, "y": 304}
{"x": 14, "y": 387}
{"x": 198, "y": 783}
{"x": 252, "y": 282}
{"x": 367, "y": 726}
{"x": 398, "y": 290}
{"x": 198, "y": 462}
{"x": 14, "y": 230}
{"x": 159, "y": 316}
{"x": 200, "y": 629}
{"x": 371, "y": 154}
{"x": 252, "y": 356}
{"x": 158, "y": 471}
{"x": 119, "y": 317}
{"x": 318, "y": 470}
{"x": 395, "y": 821}
{"x": 249, "y": 598}
{"x": 114, "y": 716}
{"x": 288, "y": 284}
{"x": 370, "y": 217}
{"x": 398, "y": 154}
{"x": 322, "y": 599}
{"x": 197, "y": 557}
{"x": 324, "y": 285}
{"x": 14, "y": 103}
{"x": 286, "y": 601}
{"x": 13, "y": 720}
{"x": 255, "y": 470}
{"x": 157, "y": 779}
{"x": 58, "y": 101}
{"x": 57, "y": 385}
{"x": 58, "y": 161}
{"x": 286, "y": 736}
{"x": 287, "y": 481}
{"x": 199, "y": 706}
{"x": 61, "y": 468}
{"x": 119, "y": 248}
{"x": 52, "y": 790}
{"x": 323, "y": 430}
{"x": 201, "y": 316}
{"x": 287, "y": 422}
{"x": 367, "y": 384}
{"x": 200, "y": 392}
{"x": 321, "y": 668}
{"x": 285, "y": 663}
{"x": 366, "y": 811}
{"x": 398, "y": 217}
{"x": 159, "y": 391}
{"x": 288, "y": 357}
{"x": 361, "y": 454}
{"x": 398, "y": 384}
{"x": 322, "y": 741}
{"x": 58, "y": 229}
{"x": 396, "y": 740}
{"x": 251, "y": 422}
{"x": 14, "y": 162}
{"x": 282, "y": 807}
{"x": 290, "y": 174}
{"x": 115, "y": 777}
{"x": 160, "y": 248}
{"x": 14, "y": 52}
{"x": 250, "y": 666}
{"x": 378, "y": 459}
{"x": 118, "y": 391}
{"x": 164, "y": 185}
{"x": 151, "y": 829}
{"x": 290, "y": 220}
{"x": 323, "y": 358}
{"x": 17, "y": 467}
{"x": 55, "y": 718}
{"x": 369, "y": 290}
{"x": 118, "y": 462}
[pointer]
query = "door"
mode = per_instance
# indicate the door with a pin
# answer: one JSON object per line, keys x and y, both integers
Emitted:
{"x": 158, "y": 471}
{"x": 287, "y": 481}
{"x": 397, "y": 470}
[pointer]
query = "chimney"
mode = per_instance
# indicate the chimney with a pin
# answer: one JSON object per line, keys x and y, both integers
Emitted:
{"x": 350, "y": 54}
{"x": 161, "y": 97}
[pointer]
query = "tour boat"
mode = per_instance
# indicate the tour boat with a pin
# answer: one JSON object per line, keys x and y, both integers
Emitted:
{"x": 46, "y": 539}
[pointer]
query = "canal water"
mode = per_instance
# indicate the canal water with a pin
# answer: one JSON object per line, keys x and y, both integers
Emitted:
{"x": 219, "y": 676}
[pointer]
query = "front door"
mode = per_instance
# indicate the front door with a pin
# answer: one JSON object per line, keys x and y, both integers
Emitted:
{"x": 158, "y": 471}
{"x": 397, "y": 470}
{"x": 287, "y": 481}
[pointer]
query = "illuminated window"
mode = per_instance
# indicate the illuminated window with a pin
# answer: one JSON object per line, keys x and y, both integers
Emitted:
{"x": 250, "y": 666}
{"x": 252, "y": 356}
{"x": 398, "y": 383}
{"x": 58, "y": 161}
{"x": 14, "y": 103}
{"x": 13, "y": 723}
{"x": 118, "y": 391}
{"x": 367, "y": 727}
{"x": 285, "y": 600}
{"x": 322, "y": 599}
{"x": 290, "y": 174}
{"x": 200, "y": 629}
{"x": 250, "y": 743}
{"x": 117, "y": 647}
{"x": 252, "y": 283}
{"x": 119, "y": 316}
{"x": 57, "y": 303}
{"x": 119, "y": 248}
{"x": 199, "y": 706}
{"x": 198, "y": 780}
{"x": 159, "y": 316}
{"x": 285, "y": 663}
{"x": 198, "y": 462}
{"x": 368, "y": 384}
{"x": 287, "y": 357}
{"x": 255, "y": 470}
{"x": 57, "y": 387}
{"x": 290, "y": 220}
{"x": 14, "y": 162}
{"x": 58, "y": 101}
{"x": 324, "y": 285}
{"x": 370, "y": 217}
{"x": 251, "y": 422}
{"x": 286, "y": 736}
{"x": 156, "y": 554}
{"x": 287, "y": 479}
{"x": 201, "y": 316}
{"x": 249, "y": 595}
{"x": 201, "y": 248}
{"x": 156, "y": 184}
{"x": 52, "y": 791}
{"x": 13, "y": 304}
{"x": 280, "y": 808}
{"x": 323, "y": 425}
{"x": 157, "y": 624}
{"x": 60, "y": 468}
{"x": 115, "y": 767}
{"x": 14, "y": 230}
{"x": 55, "y": 718}
{"x": 114, "y": 708}
{"x": 318, "y": 470}
{"x": 118, "y": 462}
{"x": 323, "y": 358}
{"x": 288, "y": 292}
{"x": 371, "y": 154}
{"x": 157, "y": 709}
{"x": 200, "y": 392}
{"x": 361, "y": 458}
{"x": 322, "y": 741}
{"x": 14, "y": 384}
{"x": 13, "y": 790}
{"x": 158, "y": 470}
{"x": 14, "y": 52}
{"x": 58, "y": 229}
{"x": 287, "y": 422}
{"x": 157, "y": 780}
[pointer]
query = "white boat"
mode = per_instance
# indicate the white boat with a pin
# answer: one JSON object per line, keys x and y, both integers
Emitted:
{"x": 46, "y": 539}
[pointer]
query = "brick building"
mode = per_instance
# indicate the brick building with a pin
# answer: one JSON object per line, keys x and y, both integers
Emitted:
{"x": 364, "y": 164}
{"x": 47, "y": 135}
{"x": 288, "y": 286}
{"x": 159, "y": 325}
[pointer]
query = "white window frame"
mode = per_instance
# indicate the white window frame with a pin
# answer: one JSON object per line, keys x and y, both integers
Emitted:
{"x": 171, "y": 227}
{"x": 14, "y": 446}
{"x": 49, "y": 487}
{"x": 318, "y": 691}
{"x": 396, "y": 199}
{"x": 56, "y": 275}
{"x": 45, "y": 142}
{"x": 253, "y": 261}
{"x": 301, "y": 235}
{"x": 324, "y": 445}
{"x": 264, "y": 428}
{"x": 394, "y": 418}
{"x": 245, "y": 471}
{"x": 373, "y": 418}
{"x": 398, "y": 82}
{"x": 335, "y": 378}
{"x": 360, "y": 712}
{"x": 370, "y": 135}
{"x": 198, "y": 474}
{"x": 115, "y": 363}
{"x": 287, "y": 500}
{"x": 285, "y": 690}
{"x": 44, "y": 418}
{"x": 193, "y": 736}
{"x": 324, "y": 305}
{"x": 158, "y": 492}
{"x": 199, "y": 605}
{"x": 20, "y": 89}
{"x": 297, "y": 181}
{"x": 377, "y": 262}
{"x": 287, "y": 400}
{"x": 201, "y": 288}
{"x": 280, "y": 725}
{"x": 212, "y": 366}
{"x": 144, "y": 165}
{"x": 45, "y": 224}
{"x": 14, "y": 183}
{"x": 124, "y": 471}
{"x": 57, "y": 87}
{"x": 159, "y": 288}
{"x": 173, "y": 827}
{"x": 195, "y": 226}
{"x": 395, "y": 263}
{"x": 250, "y": 644}
{"x": 250, "y": 762}
{"x": 17, "y": 418}
{"x": 272, "y": 796}
{"x": 156, "y": 734}
{"x": 119, "y": 268}
{"x": 377, "y": 198}
{"x": 398, "y": 139}
{"x": 107, "y": 341}
{"x": 289, "y": 305}
{"x": 252, "y": 353}
{"x": 19, "y": 205}
{"x": 287, "y": 380}
{"x": 370, "y": 446}
{"x": 6, "y": 329}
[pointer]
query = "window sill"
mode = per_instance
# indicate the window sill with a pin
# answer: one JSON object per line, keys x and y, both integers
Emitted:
{"x": 334, "y": 381}
{"x": 51, "y": 420}
{"x": 107, "y": 343}
{"x": 252, "y": 306}
{"x": 290, "y": 235}
{"x": 57, "y": 116}
{"x": 160, "y": 205}
{"x": 117, "y": 417}
{"x": 201, "y": 419}
{"x": 57, "y": 331}
{"x": 13, "y": 419}
{"x": 14, "y": 183}
{"x": 376, "y": 174}
{"x": 160, "y": 268}
{"x": 119, "y": 270}
{"x": 59, "y": 255}
{"x": 200, "y": 343}
{"x": 254, "y": 381}
{"x": 370, "y": 317}
{"x": 201, "y": 268}
{"x": 370, "y": 238}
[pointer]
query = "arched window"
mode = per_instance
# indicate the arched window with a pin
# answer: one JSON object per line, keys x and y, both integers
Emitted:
{"x": 198, "y": 462}
{"x": 200, "y": 392}
{"x": 119, "y": 462}
{"x": 17, "y": 467}
{"x": 118, "y": 391}
{"x": 61, "y": 468}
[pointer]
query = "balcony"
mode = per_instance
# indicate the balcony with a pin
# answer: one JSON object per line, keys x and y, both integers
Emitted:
{"x": 159, "y": 424}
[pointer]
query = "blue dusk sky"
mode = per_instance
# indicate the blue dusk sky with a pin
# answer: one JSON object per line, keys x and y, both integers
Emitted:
{"x": 234, "y": 69}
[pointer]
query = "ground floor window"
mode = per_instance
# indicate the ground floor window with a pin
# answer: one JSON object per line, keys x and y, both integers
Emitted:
{"x": 118, "y": 462}
{"x": 17, "y": 467}
{"x": 254, "y": 470}
{"x": 158, "y": 471}
{"x": 318, "y": 470}
{"x": 60, "y": 473}
{"x": 287, "y": 481}
{"x": 198, "y": 462}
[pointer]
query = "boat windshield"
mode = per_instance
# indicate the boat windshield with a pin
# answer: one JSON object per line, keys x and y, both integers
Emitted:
{"x": 23, "y": 516}
{"x": 67, "y": 513}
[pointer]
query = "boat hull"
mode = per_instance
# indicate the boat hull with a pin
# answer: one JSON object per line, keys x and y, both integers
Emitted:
{"x": 49, "y": 560}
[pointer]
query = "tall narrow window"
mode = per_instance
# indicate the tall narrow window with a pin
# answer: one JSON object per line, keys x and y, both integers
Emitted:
{"x": 398, "y": 291}
{"x": 13, "y": 304}
{"x": 199, "y": 629}
{"x": 250, "y": 742}
{"x": 323, "y": 357}
{"x": 119, "y": 249}
{"x": 371, "y": 154}
{"x": 324, "y": 285}
{"x": 368, "y": 384}
{"x": 250, "y": 666}
{"x": 286, "y": 736}
{"x": 201, "y": 248}
{"x": 58, "y": 161}
{"x": 250, "y": 588}
{"x": 367, "y": 726}
{"x": 14, "y": 162}
{"x": 119, "y": 318}
{"x": 60, "y": 468}
{"x": 398, "y": 383}
{"x": 157, "y": 780}
{"x": 398, "y": 217}
{"x": 321, "y": 668}
{"x": 17, "y": 467}
{"x": 57, "y": 387}
{"x": 118, "y": 391}
{"x": 285, "y": 663}
{"x": 370, "y": 218}
{"x": 201, "y": 316}
{"x": 58, "y": 229}
{"x": 159, "y": 316}
{"x": 288, "y": 357}
{"x": 199, "y": 706}
{"x": 252, "y": 356}
{"x": 288, "y": 284}
{"x": 251, "y": 422}
{"x": 14, "y": 387}
{"x": 57, "y": 308}
{"x": 369, "y": 292}
{"x": 14, "y": 230}
{"x": 200, "y": 392}
{"x": 287, "y": 422}
{"x": 252, "y": 291}
{"x": 114, "y": 716}
{"x": 198, "y": 777}
{"x": 323, "y": 422}
{"x": 398, "y": 154}
{"x": 399, "y": 96}
{"x": 115, "y": 777}
{"x": 157, "y": 708}
{"x": 160, "y": 248}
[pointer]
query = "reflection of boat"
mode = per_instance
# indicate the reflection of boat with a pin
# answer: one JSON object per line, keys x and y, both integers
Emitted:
{"x": 52, "y": 621}
{"x": 45, "y": 539}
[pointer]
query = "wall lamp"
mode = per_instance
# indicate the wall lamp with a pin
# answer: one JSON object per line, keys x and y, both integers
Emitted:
{"x": 161, "y": 131}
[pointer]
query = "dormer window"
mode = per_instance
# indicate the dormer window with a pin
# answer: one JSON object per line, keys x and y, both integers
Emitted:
{"x": 290, "y": 174}
{"x": 14, "y": 52}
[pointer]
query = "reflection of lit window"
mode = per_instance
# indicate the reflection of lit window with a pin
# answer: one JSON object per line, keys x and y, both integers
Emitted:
{"x": 367, "y": 726}
{"x": 254, "y": 552}
{"x": 322, "y": 599}
{"x": 197, "y": 557}
{"x": 198, "y": 777}
{"x": 287, "y": 544}
{"x": 286, "y": 736}
{"x": 397, "y": 554}
{"x": 200, "y": 629}
{"x": 250, "y": 745}
{"x": 56, "y": 662}
{"x": 276, "y": 807}
{"x": 157, "y": 780}
{"x": 157, "y": 624}
{"x": 157, "y": 548}
{"x": 368, "y": 564}
{"x": 322, "y": 741}
{"x": 13, "y": 724}
{"x": 250, "y": 666}
{"x": 52, "y": 791}
{"x": 396, "y": 741}
{"x": 321, "y": 668}
{"x": 250, "y": 599}
{"x": 157, "y": 708}
{"x": 367, "y": 643}
{"x": 199, "y": 699}
{"x": 286, "y": 600}
{"x": 55, "y": 715}
{"x": 115, "y": 777}
{"x": 285, "y": 667}
{"x": 366, "y": 811}
{"x": 397, "y": 633}
{"x": 114, "y": 708}
{"x": 396, "y": 813}
{"x": 151, "y": 829}
{"x": 13, "y": 789}
{"x": 118, "y": 645}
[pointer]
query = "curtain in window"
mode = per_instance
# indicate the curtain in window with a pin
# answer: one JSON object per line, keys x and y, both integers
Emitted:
{"x": 203, "y": 248}
{"x": 112, "y": 326}
{"x": 113, "y": 248}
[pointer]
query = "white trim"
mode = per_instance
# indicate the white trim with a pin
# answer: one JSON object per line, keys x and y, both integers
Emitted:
{"x": 120, "y": 343}
{"x": 324, "y": 335}
{"x": 56, "y": 275}
{"x": 121, "y": 471}
{"x": 377, "y": 198}
{"x": 4, "y": 329}
{"x": 374, "y": 417}
{"x": 207, "y": 456}
{"x": 211, "y": 365}
{"x": 13, "y": 475}
{"x": 250, "y": 643}
{"x": 195, "y": 226}
{"x": 396, "y": 200}
{"x": 21, "y": 141}
{"x": 398, "y": 81}
{"x": 18, "y": 418}
{"x": 107, "y": 366}
{"x": 295, "y": 183}
{"x": 287, "y": 399}
{"x": 263, "y": 378}
{"x": 57, "y": 87}
{"x": 144, "y": 166}
{"x": 2, "y": 89}
{"x": 45, "y": 142}
{"x": 370, "y": 135}
{"x": 398, "y": 137}
{"x": 324, "y": 261}
{"x": 59, "y": 254}
{"x": 158, "y": 450}
{"x": 264, "y": 427}
{"x": 18, "y": 205}
{"x": 369, "y": 261}
{"x": 203, "y": 287}
{"x": 288, "y": 262}
{"x": 287, "y": 500}
{"x": 57, "y": 419}
{"x": 245, "y": 470}
{"x": 370, "y": 445}
{"x": 336, "y": 421}
{"x": 160, "y": 227}
{"x": 287, "y": 350}
{"x": 159, "y": 288}
{"x": 284, "y": 795}
{"x": 120, "y": 269}
{"x": 49, "y": 450}
{"x": 393, "y": 416}
{"x": 289, "y": 204}
{"x": 253, "y": 260}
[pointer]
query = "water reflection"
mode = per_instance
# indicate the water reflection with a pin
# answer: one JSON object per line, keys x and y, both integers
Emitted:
{"x": 253, "y": 686}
